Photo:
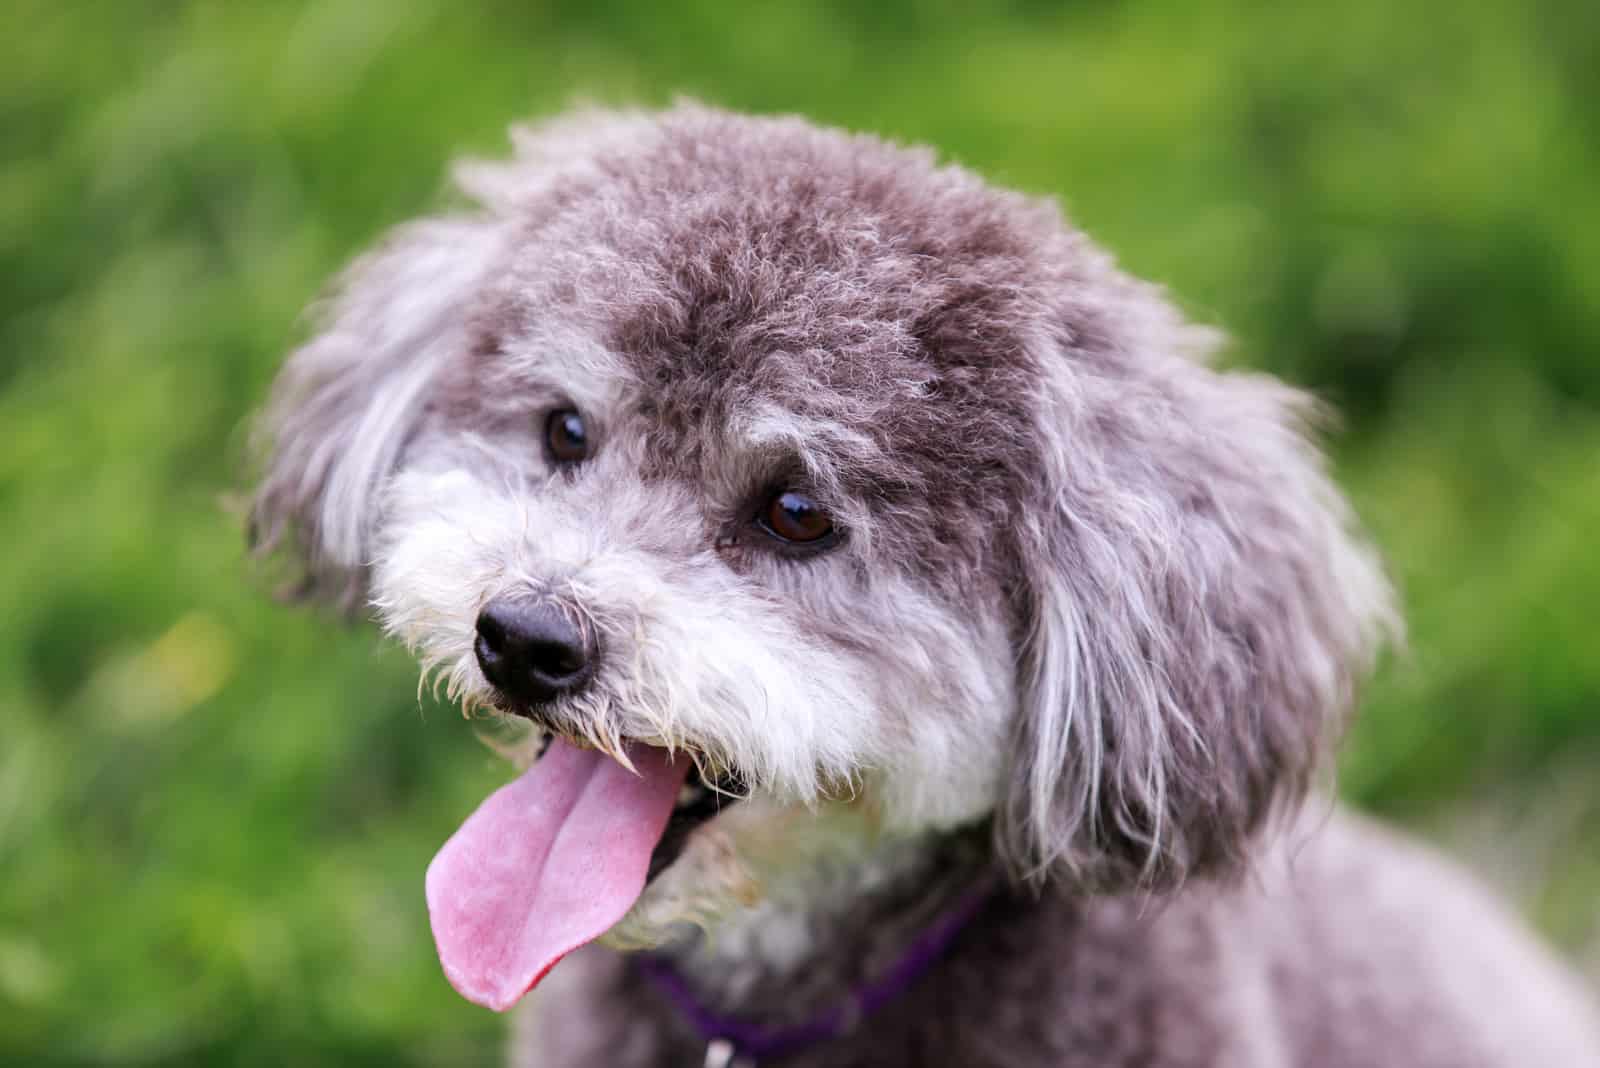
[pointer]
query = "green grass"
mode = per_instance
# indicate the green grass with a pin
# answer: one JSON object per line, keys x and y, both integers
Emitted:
{"x": 215, "y": 811}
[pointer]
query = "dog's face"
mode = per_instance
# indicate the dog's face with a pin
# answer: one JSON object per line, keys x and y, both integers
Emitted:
{"x": 880, "y": 493}
{"x": 635, "y": 539}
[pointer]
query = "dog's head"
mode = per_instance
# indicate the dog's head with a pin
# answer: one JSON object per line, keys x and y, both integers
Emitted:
{"x": 879, "y": 493}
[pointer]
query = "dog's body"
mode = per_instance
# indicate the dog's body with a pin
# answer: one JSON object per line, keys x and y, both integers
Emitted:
{"x": 884, "y": 500}
{"x": 1352, "y": 949}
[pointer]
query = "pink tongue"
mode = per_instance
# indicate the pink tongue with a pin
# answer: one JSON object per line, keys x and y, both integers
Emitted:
{"x": 547, "y": 863}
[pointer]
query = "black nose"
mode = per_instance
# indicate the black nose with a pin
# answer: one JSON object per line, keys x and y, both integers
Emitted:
{"x": 532, "y": 653}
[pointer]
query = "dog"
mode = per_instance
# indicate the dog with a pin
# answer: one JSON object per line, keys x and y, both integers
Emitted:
{"x": 934, "y": 657}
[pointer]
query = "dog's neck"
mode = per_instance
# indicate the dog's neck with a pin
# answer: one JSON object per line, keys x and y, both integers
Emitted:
{"x": 834, "y": 930}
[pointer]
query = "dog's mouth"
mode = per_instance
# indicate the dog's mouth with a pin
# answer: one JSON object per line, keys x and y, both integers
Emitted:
{"x": 554, "y": 859}
{"x": 699, "y": 802}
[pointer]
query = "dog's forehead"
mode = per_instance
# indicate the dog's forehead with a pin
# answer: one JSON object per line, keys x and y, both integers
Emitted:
{"x": 767, "y": 289}
{"x": 764, "y": 280}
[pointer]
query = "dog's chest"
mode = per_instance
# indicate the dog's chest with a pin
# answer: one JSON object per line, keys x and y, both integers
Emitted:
{"x": 1010, "y": 995}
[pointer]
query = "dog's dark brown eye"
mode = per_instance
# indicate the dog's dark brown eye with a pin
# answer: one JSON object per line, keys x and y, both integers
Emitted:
{"x": 796, "y": 518}
{"x": 566, "y": 437}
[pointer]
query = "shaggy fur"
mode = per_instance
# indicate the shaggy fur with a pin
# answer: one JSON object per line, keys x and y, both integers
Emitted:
{"x": 1096, "y": 614}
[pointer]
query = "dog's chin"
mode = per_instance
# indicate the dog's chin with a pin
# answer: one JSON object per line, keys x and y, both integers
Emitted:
{"x": 704, "y": 883}
{"x": 757, "y": 852}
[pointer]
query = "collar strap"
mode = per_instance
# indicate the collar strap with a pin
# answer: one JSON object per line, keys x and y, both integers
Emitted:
{"x": 735, "y": 1040}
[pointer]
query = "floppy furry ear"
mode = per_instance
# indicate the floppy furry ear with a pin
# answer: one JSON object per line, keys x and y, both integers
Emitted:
{"x": 346, "y": 402}
{"x": 1197, "y": 612}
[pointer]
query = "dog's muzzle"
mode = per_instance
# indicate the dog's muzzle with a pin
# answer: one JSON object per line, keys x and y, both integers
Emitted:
{"x": 532, "y": 653}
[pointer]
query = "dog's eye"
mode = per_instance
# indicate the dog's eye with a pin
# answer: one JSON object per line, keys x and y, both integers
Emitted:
{"x": 794, "y": 517}
{"x": 566, "y": 437}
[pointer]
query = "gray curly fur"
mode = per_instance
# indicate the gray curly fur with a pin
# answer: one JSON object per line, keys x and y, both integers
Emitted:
{"x": 995, "y": 413}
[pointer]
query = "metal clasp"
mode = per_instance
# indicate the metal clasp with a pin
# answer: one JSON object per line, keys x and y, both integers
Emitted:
{"x": 720, "y": 1053}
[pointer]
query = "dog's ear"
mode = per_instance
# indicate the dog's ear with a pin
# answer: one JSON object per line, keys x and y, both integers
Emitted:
{"x": 1196, "y": 613}
{"x": 346, "y": 402}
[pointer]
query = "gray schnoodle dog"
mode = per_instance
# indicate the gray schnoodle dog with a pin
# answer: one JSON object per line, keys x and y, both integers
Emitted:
{"x": 924, "y": 656}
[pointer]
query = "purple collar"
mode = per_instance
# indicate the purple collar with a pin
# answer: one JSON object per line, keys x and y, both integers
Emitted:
{"x": 732, "y": 1042}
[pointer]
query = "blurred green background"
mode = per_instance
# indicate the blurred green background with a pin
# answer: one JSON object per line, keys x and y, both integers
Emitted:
{"x": 215, "y": 811}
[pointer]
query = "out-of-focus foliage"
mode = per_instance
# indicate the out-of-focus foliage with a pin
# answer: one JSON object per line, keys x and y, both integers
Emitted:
{"x": 215, "y": 812}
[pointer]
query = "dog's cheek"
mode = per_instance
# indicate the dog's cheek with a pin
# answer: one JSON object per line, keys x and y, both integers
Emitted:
{"x": 710, "y": 663}
{"x": 950, "y": 709}
{"x": 884, "y": 690}
{"x": 915, "y": 691}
